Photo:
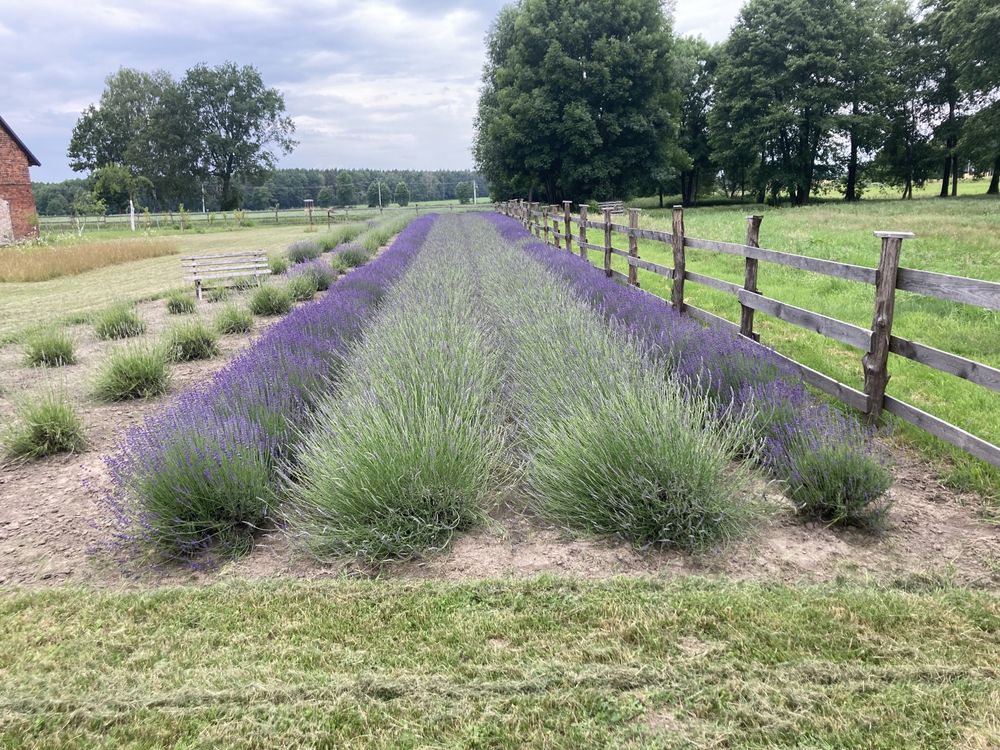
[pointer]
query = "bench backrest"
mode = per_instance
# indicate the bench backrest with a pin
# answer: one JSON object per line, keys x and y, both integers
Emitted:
{"x": 221, "y": 263}
{"x": 616, "y": 207}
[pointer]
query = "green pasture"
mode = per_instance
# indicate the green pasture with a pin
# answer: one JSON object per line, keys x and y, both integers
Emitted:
{"x": 954, "y": 236}
{"x": 627, "y": 663}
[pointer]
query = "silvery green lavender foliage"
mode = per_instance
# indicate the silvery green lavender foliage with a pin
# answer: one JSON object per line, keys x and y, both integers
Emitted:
{"x": 410, "y": 448}
{"x": 614, "y": 445}
{"x": 830, "y": 463}
{"x": 320, "y": 270}
{"x": 204, "y": 470}
{"x": 300, "y": 252}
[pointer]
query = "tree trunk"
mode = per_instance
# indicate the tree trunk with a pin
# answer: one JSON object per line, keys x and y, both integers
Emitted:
{"x": 954, "y": 175}
{"x": 228, "y": 202}
{"x": 994, "y": 188}
{"x": 946, "y": 178}
{"x": 661, "y": 197}
{"x": 851, "y": 193}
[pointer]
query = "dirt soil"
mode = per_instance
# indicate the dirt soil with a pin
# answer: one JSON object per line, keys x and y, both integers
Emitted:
{"x": 54, "y": 530}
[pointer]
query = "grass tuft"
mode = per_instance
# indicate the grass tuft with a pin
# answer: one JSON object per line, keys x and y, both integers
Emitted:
{"x": 51, "y": 348}
{"x": 191, "y": 341}
{"x": 132, "y": 372}
{"x": 118, "y": 322}
{"x": 278, "y": 264}
{"x": 233, "y": 319}
{"x": 45, "y": 425}
{"x": 300, "y": 252}
{"x": 302, "y": 287}
{"x": 270, "y": 300}
{"x": 180, "y": 303}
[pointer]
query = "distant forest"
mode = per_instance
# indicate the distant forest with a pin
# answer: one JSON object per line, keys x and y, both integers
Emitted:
{"x": 286, "y": 188}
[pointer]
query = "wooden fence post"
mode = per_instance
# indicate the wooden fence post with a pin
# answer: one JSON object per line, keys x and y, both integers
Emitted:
{"x": 876, "y": 360}
{"x": 677, "y": 237}
{"x": 545, "y": 224}
{"x": 555, "y": 226}
{"x": 567, "y": 222}
{"x": 633, "y": 246}
{"x": 607, "y": 242}
{"x": 531, "y": 218}
{"x": 750, "y": 278}
{"x": 583, "y": 232}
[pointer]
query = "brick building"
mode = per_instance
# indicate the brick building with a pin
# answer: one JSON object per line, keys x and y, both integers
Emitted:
{"x": 17, "y": 203}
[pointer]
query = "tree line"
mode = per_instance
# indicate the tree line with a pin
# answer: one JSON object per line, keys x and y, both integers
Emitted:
{"x": 282, "y": 188}
{"x": 600, "y": 99}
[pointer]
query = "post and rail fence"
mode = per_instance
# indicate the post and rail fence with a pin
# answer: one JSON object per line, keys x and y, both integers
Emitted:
{"x": 877, "y": 342}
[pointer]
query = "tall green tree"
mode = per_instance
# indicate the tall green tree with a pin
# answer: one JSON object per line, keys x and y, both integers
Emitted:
{"x": 240, "y": 122}
{"x": 463, "y": 191}
{"x": 780, "y": 92}
{"x": 345, "y": 188}
{"x": 577, "y": 98}
{"x": 944, "y": 92}
{"x": 402, "y": 194}
{"x": 696, "y": 64}
{"x": 971, "y": 30}
{"x": 905, "y": 157}
{"x": 115, "y": 186}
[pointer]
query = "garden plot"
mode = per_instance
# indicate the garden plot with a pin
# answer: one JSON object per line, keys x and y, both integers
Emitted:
{"x": 494, "y": 419}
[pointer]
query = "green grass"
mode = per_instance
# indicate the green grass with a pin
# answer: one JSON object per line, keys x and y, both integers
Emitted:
{"x": 541, "y": 663}
{"x": 180, "y": 303}
{"x": 302, "y": 287}
{"x": 233, "y": 319}
{"x": 132, "y": 372}
{"x": 49, "y": 348}
{"x": 45, "y": 425}
{"x": 118, "y": 322}
{"x": 270, "y": 300}
{"x": 953, "y": 236}
{"x": 190, "y": 341}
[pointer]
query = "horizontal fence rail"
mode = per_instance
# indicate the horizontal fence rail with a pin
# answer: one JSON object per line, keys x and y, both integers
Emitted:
{"x": 875, "y": 343}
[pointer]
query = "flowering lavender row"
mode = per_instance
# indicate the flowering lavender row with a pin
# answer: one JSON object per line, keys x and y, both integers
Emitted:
{"x": 828, "y": 459}
{"x": 204, "y": 469}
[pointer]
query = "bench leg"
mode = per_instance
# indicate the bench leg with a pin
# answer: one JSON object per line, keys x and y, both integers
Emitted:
{"x": 197, "y": 290}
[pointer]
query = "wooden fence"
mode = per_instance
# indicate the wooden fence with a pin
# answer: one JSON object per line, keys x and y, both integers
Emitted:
{"x": 554, "y": 225}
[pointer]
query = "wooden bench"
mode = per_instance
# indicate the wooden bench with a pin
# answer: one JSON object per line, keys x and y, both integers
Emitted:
{"x": 616, "y": 207}
{"x": 225, "y": 268}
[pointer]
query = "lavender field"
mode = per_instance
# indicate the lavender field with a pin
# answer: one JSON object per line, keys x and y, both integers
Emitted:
{"x": 467, "y": 363}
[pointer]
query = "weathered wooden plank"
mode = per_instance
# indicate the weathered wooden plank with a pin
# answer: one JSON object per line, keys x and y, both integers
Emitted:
{"x": 582, "y": 243}
{"x": 633, "y": 245}
{"x": 677, "y": 246}
{"x": 831, "y": 327}
{"x": 607, "y": 242}
{"x": 948, "y": 432}
{"x": 847, "y": 271}
{"x": 655, "y": 235}
{"x": 217, "y": 269}
{"x": 616, "y": 251}
{"x": 722, "y": 286}
{"x": 876, "y": 362}
{"x": 203, "y": 277}
{"x": 976, "y": 292}
{"x": 711, "y": 318}
{"x": 590, "y": 245}
{"x": 653, "y": 267}
{"x": 976, "y": 372}
{"x": 246, "y": 254}
{"x": 595, "y": 225}
{"x": 750, "y": 278}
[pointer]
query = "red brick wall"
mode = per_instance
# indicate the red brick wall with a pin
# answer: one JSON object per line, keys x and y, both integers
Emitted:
{"x": 15, "y": 186}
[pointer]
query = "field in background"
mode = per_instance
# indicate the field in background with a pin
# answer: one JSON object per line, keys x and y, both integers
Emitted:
{"x": 957, "y": 237}
{"x": 29, "y": 305}
{"x": 41, "y": 263}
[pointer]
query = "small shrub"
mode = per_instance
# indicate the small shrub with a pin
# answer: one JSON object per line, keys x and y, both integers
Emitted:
{"x": 270, "y": 300}
{"x": 216, "y": 294}
{"x": 133, "y": 372}
{"x": 245, "y": 283}
{"x": 302, "y": 287}
{"x": 349, "y": 256}
{"x": 118, "y": 322}
{"x": 300, "y": 252}
{"x": 278, "y": 264}
{"x": 339, "y": 235}
{"x": 190, "y": 341}
{"x": 52, "y": 348}
{"x": 234, "y": 319}
{"x": 320, "y": 271}
{"x": 45, "y": 426}
{"x": 180, "y": 303}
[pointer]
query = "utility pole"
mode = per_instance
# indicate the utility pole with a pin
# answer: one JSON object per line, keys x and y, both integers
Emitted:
{"x": 474, "y": 193}
{"x": 203, "y": 197}
{"x": 379, "y": 183}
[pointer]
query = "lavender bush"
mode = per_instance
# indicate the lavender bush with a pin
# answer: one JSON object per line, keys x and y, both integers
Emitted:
{"x": 203, "y": 471}
{"x": 845, "y": 482}
{"x": 320, "y": 271}
{"x": 300, "y": 252}
{"x": 410, "y": 447}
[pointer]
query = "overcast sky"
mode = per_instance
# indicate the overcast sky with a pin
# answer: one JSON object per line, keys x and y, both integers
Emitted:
{"x": 379, "y": 84}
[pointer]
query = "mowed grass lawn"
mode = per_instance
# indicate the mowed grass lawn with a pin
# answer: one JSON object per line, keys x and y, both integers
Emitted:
{"x": 543, "y": 663}
{"x": 959, "y": 237}
{"x": 28, "y": 306}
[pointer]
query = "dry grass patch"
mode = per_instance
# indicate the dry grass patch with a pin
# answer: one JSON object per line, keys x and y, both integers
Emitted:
{"x": 32, "y": 263}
